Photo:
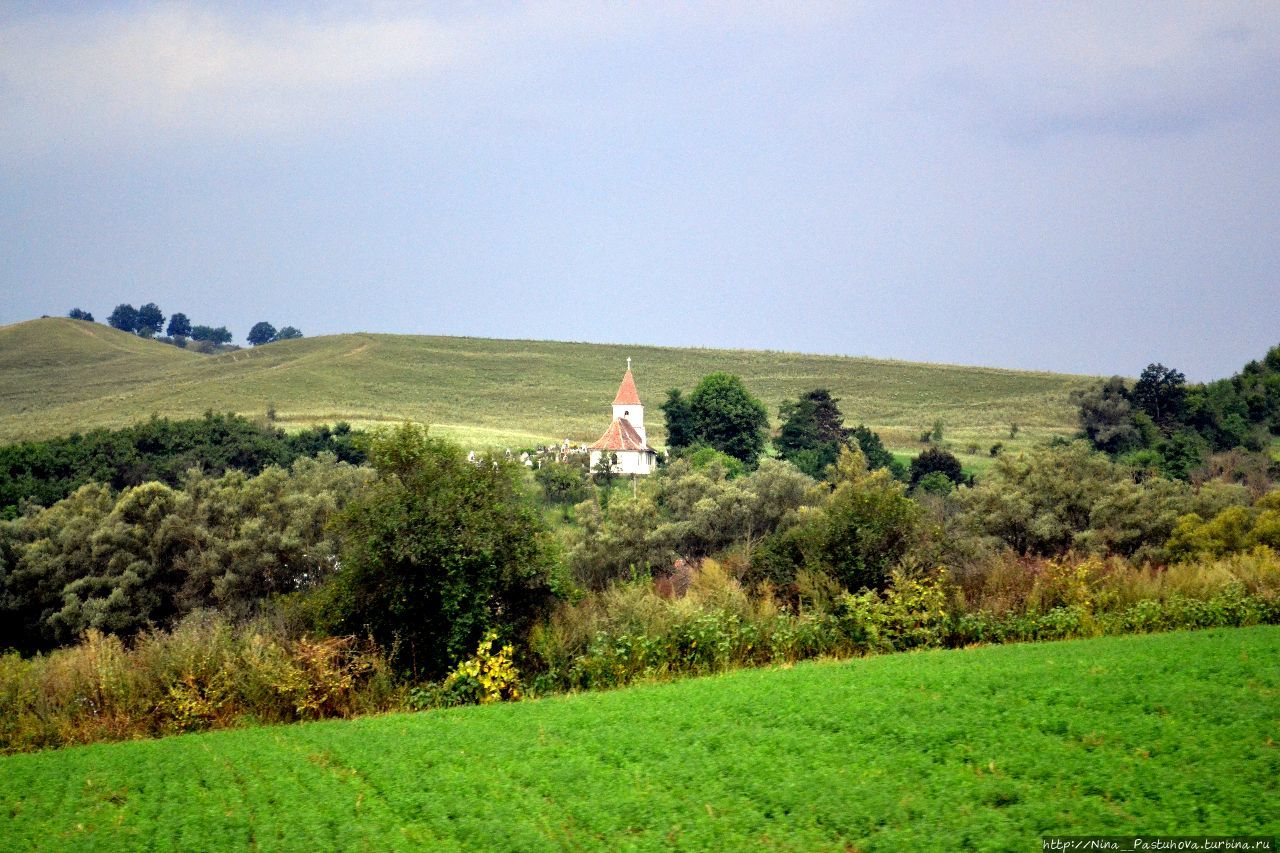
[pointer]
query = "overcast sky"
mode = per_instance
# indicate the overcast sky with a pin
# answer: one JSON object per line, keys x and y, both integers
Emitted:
{"x": 1081, "y": 187}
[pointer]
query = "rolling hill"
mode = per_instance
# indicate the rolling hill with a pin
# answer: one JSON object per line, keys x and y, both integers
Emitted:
{"x": 59, "y": 375}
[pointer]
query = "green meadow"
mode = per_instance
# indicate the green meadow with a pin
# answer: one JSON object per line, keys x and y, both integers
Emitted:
{"x": 59, "y": 375}
{"x": 978, "y": 749}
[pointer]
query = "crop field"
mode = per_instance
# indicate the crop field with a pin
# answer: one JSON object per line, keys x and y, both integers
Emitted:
{"x": 59, "y": 375}
{"x": 979, "y": 749}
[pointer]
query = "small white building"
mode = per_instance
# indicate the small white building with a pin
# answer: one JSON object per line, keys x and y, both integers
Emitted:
{"x": 625, "y": 438}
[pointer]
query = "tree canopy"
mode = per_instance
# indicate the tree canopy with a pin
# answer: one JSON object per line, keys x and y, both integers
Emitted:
{"x": 261, "y": 333}
{"x": 720, "y": 413}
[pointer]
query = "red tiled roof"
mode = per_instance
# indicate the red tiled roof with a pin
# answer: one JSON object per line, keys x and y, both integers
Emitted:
{"x": 627, "y": 395}
{"x": 620, "y": 435}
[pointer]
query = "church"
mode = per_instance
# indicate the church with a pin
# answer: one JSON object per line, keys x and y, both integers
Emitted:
{"x": 625, "y": 439}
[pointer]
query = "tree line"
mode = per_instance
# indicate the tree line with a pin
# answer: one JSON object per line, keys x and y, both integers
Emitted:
{"x": 149, "y": 320}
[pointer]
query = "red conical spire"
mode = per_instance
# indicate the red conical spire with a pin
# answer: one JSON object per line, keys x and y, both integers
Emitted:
{"x": 627, "y": 394}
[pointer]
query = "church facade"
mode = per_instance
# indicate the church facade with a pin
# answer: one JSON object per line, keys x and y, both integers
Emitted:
{"x": 625, "y": 440}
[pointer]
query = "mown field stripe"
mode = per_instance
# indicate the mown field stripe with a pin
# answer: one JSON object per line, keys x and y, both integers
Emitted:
{"x": 976, "y": 749}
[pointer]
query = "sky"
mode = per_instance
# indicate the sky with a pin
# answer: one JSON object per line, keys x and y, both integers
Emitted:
{"x": 1077, "y": 187}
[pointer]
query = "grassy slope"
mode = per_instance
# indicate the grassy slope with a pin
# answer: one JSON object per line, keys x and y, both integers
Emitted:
{"x": 57, "y": 375}
{"x": 978, "y": 749}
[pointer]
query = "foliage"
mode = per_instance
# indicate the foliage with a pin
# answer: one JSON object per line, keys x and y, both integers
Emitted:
{"x": 124, "y": 317}
{"x": 812, "y": 431}
{"x": 562, "y": 483}
{"x": 262, "y": 333}
{"x": 684, "y": 512}
{"x": 119, "y": 564}
{"x": 1161, "y": 392}
{"x": 935, "y": 460}
{"x": 204, "y": 674}
{"x": 77, "y": 314}
{"x": 150, "y": 320}
{"x": 678, "y": 418}
{"x": 1037, "y": 502}
{"x": 438, "y": 552}
{"x": 214, "y": 335}
{"x": 158, "y": 450}
{"x": 1232, "y": 530}
{"x": 1106, "y": 417}
{"x": 485, "y": 677}
{"x": 288, "y": 333}
{"x": 724, "y": 415}
{"x": 865, "y": 527}
{"x": 179, "y": 326}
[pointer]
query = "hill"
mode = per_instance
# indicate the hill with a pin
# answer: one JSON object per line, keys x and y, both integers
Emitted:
{"x": 987, "y": 748}
{"x": 59, "y": 375}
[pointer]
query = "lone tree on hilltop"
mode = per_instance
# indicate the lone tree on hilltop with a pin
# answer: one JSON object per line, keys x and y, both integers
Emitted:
{"x": 262, "y": 333}
{"x": 77, "y": 314}
{"x": 179, "y": 326}
{"x": 124, "y": 318}
{"x": 150, "y": 320}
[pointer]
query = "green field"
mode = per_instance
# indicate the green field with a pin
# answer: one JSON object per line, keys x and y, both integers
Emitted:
{"x": 59, "y": 375}
{"x": 978, "y": 749}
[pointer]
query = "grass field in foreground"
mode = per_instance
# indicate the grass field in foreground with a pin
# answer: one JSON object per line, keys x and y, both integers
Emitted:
{"x": 979, "y": 749}
{"x": 58, "y": 376}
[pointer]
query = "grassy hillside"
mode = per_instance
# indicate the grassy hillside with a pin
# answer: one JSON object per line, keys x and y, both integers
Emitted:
{"x": 986, "y": 748}
{"x": 58, "y": 375}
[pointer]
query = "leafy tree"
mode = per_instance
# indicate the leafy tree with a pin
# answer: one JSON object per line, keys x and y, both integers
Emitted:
{"x": 873, "y": 449}
{"x": 1037, "y": 502}
{"x": 679, "y": 420}
{"x": 439, "y": 552}
{"x": 562, "y": 483}
{"x": 727, "y": 417}
{"x": 812, "y": 431}
{"x": 288, "y": 333}
{"x": 936, "y": 460}
{"x": 77, "y": 314}
{"x": 1106, "y": 417}
{"x": 150, "y": 320}
{"x": 218, "y": 335}
{"x": 867, "y": 525}
{"x": 262, "y": 333}
{"x": 1161, "y": 392}
{"x": 179, "y": 326}
{"x": 124, "y": 318}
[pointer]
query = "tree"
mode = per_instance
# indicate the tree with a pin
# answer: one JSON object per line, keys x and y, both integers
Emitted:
{"x": 679, "y": 420}
{"x": 150, "y": 320}
{"x": 936, "y": 460}
{"x": 438, "y": 552}
{"x": 1106, "y": 417}
{"x": 873, "y": 450}
{"x": 220, "y": 335}
{"x": 77, "y": 314}
{"x": 1161, "y": 392}
{"x": 124, "y": 318}
{"x": 866, "y": 527}
{"x": 179, "y": 326}
{"x": 288, "y": 333}
{"x": 562, "y": 483}
{"x": 262, "y": 333}
{"x": 727, "y": 417}
{"x": 812, "y": 431}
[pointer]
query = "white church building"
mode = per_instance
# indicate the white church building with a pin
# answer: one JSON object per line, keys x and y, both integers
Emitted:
{"x": 625, "y": 439}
